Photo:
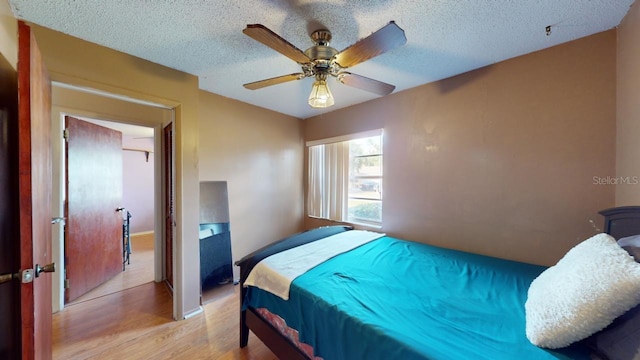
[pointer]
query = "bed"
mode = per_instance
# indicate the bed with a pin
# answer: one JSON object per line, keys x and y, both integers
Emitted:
{"x": 392, "y": 298}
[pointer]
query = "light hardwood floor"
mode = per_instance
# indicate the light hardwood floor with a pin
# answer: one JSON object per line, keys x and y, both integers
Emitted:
{"x": 136, "y": 323}
{"x": 139, "y": 271}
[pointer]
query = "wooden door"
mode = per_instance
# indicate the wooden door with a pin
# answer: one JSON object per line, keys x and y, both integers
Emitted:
{"x": 168, "y": 194}
{"x": 25, "y": 212}
{"x": 93, "y": 247}
{"x": 9, "y": 235}
{"x": 34, "y": 188}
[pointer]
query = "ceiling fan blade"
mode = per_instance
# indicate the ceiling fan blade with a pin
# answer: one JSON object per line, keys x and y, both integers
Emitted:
{"x": 273, "y": 81}
{"x": 383, "y": 40}
{"x": 262, "y": 34}
{"x": 364, "y": 83}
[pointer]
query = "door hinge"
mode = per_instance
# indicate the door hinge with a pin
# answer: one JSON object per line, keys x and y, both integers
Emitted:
{"x": 66, "y": 283}
{"x": 65, "y": 134}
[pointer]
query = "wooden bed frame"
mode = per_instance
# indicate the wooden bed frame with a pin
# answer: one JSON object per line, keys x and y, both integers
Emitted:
{"x": 622, "y": 221}
{"x": 280, "y": 345}
{"x": 618, "y": 222}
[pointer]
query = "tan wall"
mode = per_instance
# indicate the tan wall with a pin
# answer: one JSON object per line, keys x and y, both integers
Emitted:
{"x": 259, "y": 153}
{"x": 500, "y": 160}
{"x": 628, "y": 110}
{"x": 81, "y": 63}
{"x": 8, "y": 34}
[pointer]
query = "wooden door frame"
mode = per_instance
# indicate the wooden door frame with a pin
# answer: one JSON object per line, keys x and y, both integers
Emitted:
{"x": 59, "y": 111}
{"x": 168, "y": 205}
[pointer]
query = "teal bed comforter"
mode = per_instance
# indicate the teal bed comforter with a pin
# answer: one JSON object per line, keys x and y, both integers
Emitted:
{"x": 395, "y": 299}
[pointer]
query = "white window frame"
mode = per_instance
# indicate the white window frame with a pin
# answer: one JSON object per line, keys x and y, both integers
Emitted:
{"x": 329, "y": 197}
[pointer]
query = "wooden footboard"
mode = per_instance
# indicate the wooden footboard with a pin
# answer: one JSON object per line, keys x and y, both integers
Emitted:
{"x": 281, "y": 346}
{"x": 250, "y": 320}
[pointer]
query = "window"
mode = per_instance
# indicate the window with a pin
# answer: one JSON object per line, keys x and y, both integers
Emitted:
{"x": 345, "y": 178}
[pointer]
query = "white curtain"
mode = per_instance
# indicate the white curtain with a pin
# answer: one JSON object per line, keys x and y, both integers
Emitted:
{"x": 328, "y": 180}
{"x": 316, "y": 176}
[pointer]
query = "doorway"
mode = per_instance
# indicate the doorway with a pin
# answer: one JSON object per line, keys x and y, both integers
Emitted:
{"x": 89, "y": 104}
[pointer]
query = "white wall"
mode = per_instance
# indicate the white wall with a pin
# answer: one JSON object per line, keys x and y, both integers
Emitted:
{"x": 138, "y": 183}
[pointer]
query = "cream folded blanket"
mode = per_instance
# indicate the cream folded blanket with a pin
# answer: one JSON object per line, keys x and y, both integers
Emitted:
{"x": 276, "y": 272}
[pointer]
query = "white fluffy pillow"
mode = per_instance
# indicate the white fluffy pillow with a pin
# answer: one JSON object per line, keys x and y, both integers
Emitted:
{"x": 594, "y": 283}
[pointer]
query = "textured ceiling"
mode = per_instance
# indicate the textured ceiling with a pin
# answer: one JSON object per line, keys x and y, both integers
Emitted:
{"x": 204, "y": 37}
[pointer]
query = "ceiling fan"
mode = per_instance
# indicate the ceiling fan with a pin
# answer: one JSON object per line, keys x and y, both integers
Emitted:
{"x": 322, "y": 61}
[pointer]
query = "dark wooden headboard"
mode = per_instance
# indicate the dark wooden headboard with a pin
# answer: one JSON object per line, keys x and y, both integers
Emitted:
{"x": 622, "y": 221}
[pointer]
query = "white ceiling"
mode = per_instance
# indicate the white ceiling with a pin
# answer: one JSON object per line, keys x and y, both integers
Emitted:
{"x": 204, "y": 37}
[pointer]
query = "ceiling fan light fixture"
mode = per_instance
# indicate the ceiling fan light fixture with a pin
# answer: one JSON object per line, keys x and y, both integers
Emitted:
{"x": 322, "y": 61}
{"x": 320, "y": 96}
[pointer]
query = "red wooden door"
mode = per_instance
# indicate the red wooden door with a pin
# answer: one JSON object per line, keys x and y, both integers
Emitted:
{"x": 34, "y": 185}
{"x": 9, "y": 235}
{"x": 93, "y": 247}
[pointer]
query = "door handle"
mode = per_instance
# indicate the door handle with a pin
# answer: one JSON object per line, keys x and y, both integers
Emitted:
{"x": 6, "y": 277}
{"x": 25, "y": 276}
{"x": 56, "y": 220}
{"x": 47, "y": 268}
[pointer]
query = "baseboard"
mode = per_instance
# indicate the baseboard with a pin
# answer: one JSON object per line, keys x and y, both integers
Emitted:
{"x": 195, "y": 312}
